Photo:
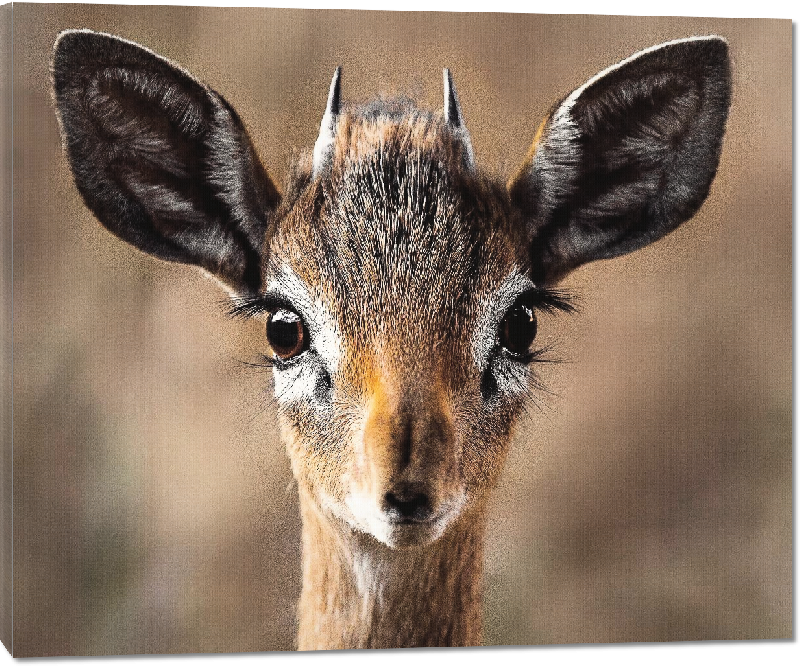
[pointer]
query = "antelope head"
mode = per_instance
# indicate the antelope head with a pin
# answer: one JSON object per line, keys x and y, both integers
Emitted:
{"x": 401, "y": 288}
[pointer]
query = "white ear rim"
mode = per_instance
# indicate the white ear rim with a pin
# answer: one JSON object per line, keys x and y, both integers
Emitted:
{"x": 563, "y": 132}
{"x": 563, "y": 111}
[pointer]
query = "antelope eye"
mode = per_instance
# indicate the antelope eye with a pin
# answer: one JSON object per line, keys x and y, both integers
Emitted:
{"x": 286, "y": 334}
{"x": 518, "y": 329}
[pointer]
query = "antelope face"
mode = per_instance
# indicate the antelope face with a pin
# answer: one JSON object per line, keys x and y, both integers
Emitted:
{"x": 401, "y": 320}
{"x": 399, "y": 286}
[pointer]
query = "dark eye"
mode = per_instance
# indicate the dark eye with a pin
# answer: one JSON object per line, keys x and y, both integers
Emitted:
{"x": 518, "y": 329}
{"x": 286, "y": 334}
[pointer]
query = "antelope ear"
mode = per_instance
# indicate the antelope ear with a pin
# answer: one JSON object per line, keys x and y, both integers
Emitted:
{"x": 162, "y": 160}
{"x": 625, "y": 158}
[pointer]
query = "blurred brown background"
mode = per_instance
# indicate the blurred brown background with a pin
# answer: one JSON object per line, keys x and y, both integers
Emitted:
{"x": 649, "y": 499}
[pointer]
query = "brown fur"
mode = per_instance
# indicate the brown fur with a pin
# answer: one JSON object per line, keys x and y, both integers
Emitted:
{"x": 418, "y": 597}
{"x": 428, "y": 249}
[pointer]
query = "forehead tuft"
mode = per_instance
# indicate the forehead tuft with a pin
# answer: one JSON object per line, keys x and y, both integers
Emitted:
{"x": 394, "y": 127}
{"x": 400, "y": 227}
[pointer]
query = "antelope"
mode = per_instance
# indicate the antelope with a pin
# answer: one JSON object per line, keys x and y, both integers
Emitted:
{"x": 399, "y": 286}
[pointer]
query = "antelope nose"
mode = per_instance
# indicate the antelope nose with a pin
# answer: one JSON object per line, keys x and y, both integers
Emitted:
{"x": 407, "y": 503}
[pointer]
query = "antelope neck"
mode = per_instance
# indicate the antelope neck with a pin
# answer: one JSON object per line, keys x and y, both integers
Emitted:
{"x": 358, "y": 593}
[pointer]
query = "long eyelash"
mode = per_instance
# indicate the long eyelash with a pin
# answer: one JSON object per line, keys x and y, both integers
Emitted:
{"x": 253, "y": 306}
{"x": 263, "y": 361}
{"x": 549, "y": 301}
{"x": 554, "y": 300}
{"x": 538, "y": 391}
{"x": 538, "y": 356}
{"x": 248, "y": 306}
{"x": 266, "y": 362}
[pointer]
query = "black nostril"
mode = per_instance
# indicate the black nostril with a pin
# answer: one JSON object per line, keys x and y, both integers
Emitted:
{"x": 407, "y": 505}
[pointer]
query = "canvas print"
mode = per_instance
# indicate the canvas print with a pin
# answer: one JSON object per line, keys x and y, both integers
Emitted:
{"x": 339, "y": 329}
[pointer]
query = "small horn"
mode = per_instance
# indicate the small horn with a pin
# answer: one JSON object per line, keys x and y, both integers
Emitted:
{"x": 323, "y": 148}
{"x": 454, "y": 118}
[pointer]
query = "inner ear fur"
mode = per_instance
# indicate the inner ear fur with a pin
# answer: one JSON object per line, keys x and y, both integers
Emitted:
{"x": 161, "y": 159}
{"x": 625, "y": 158}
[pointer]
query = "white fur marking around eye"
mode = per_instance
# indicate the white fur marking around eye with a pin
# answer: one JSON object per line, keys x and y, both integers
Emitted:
{"x": 299, "y": 382}
{"x": 493, "y": 308}
{"x": 296, "y": 383}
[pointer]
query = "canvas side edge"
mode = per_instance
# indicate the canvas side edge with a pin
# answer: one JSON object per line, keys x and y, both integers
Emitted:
{"x": 6, "y": 335}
